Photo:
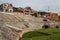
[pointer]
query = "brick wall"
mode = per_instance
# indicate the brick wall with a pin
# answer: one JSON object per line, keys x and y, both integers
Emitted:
{"x": 53, "y": 16}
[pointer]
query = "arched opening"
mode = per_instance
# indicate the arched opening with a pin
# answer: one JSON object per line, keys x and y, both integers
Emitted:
{"x": 44, "y": 19}
{"x": 57, "y": 26}
{"x": 10, "y": 10}
{"x": 45, "y": 26}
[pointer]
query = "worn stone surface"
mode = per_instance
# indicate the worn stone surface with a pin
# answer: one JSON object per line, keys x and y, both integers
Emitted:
{"x": 12, "y": 27}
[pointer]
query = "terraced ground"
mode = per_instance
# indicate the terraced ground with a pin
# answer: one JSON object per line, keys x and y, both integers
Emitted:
{"x": 12, "y": 27}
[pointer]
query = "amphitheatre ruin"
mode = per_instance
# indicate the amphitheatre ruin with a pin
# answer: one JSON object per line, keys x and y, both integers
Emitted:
{"x": 12, "y": 27}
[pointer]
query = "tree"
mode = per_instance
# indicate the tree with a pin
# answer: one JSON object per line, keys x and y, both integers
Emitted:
{"x": 41, "y": 13}
{"x": 35, "y": 14}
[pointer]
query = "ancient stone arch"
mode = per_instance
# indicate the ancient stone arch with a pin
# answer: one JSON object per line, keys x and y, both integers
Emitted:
{"x": 45, "y": 26}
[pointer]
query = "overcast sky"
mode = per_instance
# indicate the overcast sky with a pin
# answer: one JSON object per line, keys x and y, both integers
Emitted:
{"x": 35, "y": 4}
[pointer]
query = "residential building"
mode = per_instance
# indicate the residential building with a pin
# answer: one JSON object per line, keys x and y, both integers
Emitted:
{"x": 17, "y": 9}
{"x": 52, "y": 15}
{"x": 24, "y": 11}
{"x": 1, "y": 7}
{"x": 28, "y": 11}
{"x": 6, "y": 7}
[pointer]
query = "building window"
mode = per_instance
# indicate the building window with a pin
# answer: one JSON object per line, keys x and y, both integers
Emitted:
{"x": 5, "y": 5}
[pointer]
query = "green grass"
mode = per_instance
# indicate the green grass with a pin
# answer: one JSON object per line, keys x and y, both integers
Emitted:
{"x": 57, "y": 20}
{"x": 43, "y": 34}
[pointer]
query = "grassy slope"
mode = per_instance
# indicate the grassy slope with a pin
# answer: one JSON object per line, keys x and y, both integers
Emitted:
{"x": 43, "y": 34}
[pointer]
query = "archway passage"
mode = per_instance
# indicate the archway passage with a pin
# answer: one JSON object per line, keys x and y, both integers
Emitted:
{"x": 57, "y": 26}
{"x": 45, "y": 26}
{"x": 44, "y": 19}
